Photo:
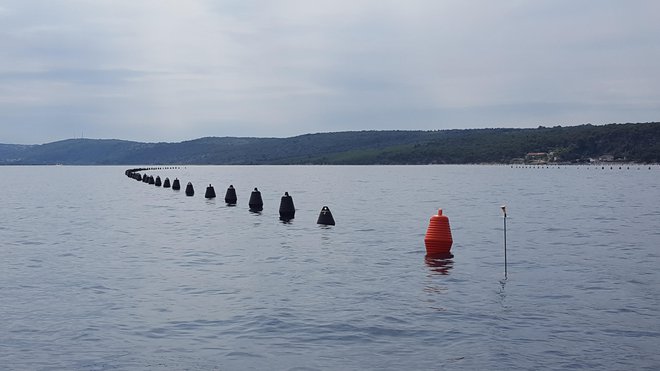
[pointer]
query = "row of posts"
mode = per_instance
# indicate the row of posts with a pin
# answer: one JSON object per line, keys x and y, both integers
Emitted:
{"x": 256, "y": 204}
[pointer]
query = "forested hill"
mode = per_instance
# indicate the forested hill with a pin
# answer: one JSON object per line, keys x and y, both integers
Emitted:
{"x": 623, "y": 142}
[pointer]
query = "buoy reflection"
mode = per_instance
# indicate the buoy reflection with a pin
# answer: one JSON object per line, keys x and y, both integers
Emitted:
{"x": 440, "y": 263}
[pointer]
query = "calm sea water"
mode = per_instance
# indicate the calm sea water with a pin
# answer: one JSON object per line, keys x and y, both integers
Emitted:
{"x": 98, "y": 271}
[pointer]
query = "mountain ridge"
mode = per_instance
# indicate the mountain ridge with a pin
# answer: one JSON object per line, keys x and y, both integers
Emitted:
{"x": 633, "y": 142}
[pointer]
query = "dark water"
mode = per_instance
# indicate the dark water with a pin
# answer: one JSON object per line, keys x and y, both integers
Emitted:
{"x": 98, "y": 271}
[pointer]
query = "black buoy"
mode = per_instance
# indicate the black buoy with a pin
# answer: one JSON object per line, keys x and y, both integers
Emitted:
{"x": 287, "y": 210}
{"x": 166, "y": 183}
{"x": 158, "y": 183}
{"x": 190, "y": 191}
{"x": 230, "y": 196}
{"x": 325, "y": 217}
{"x": 256, "y": 203}
{"x": 151, "y": 180}
{"x": 210, "y": 192}
{"x": 176, "y": 185}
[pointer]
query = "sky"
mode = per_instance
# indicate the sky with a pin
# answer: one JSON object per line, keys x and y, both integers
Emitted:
{"x": 165, "y": 70}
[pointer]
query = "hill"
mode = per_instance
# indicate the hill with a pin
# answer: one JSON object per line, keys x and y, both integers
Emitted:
{"x": 626, "y": 142}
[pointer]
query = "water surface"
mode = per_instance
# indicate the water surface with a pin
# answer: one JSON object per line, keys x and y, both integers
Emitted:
{"x": 99, "y": 271}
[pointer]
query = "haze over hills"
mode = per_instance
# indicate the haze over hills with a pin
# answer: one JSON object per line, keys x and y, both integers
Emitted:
{"x": 625, "y": 142}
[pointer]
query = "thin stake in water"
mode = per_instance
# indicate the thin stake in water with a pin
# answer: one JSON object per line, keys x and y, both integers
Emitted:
{"x": 504, "y": 211}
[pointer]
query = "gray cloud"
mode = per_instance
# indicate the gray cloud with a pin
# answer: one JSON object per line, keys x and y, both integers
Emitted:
{"x": 175, "y": 70}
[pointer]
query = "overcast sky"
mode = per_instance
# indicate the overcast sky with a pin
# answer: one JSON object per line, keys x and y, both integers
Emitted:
{"x": 158, "y": 70}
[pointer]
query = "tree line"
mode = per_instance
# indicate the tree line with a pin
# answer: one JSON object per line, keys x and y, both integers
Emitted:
{"x": 638, "y": 142}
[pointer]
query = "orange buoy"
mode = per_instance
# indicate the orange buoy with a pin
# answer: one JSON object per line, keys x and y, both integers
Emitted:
{"x": 438, "y": 239}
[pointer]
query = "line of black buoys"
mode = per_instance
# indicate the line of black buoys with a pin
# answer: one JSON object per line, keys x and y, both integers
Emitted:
{"x": 325, "y": 217}
{"x": 287, "y": 210}
{"x": 230, "y": 196}
{"x": 135, "y": 173}
{"x": 190, "y": 191}
{"x": 256, "y": 203}
{"x": 210, "y": 192}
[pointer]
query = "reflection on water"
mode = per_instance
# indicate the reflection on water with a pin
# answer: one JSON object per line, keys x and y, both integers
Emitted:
{"x": 502, "y": 294}
{"x": 440, "y": 263}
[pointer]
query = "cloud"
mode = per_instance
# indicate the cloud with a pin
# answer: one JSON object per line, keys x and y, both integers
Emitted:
{"x": 174, "y": 70}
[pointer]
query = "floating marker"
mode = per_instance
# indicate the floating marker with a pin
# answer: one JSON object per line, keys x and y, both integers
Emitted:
{"x": 158, "y": 183}
{"x": 176, "y": 185}
{"x": 190, "y": 191}
{"x": 230, "y": 196}
{"x": 256, "y": 203}
{"x": 438, "y": 239}
{"x": 287, "y": 210}
{"x": 325, "y": 217}
{"x": 210, "y": 192}
{"x": 166, "y": 183}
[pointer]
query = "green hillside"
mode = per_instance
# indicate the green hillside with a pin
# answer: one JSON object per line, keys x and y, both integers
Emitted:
{"x": 624, "y": 142}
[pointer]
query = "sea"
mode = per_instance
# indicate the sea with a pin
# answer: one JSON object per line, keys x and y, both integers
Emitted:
{"x": 99, "y": 271}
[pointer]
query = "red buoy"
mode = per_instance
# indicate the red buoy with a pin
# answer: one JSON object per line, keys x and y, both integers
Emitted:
{"x": 438, "y": 236}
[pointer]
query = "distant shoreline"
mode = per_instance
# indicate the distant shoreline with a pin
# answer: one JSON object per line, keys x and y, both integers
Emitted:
{"x": 574, "y": 145}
